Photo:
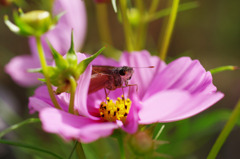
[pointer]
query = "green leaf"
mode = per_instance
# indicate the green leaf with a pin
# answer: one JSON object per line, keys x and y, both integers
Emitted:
{"x": 225, "y": 132}
{"x": 223, "y": 68}
{"x": 23, "y": 145}
{"x": 83, "y": 64}
{"x": 165, "y": 12}
{"x": 18, "y": 125}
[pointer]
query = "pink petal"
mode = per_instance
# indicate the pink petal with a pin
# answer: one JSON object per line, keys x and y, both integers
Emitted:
{"x": 142, "y": 76}
{"x": 183, "y": 74}
{"x": 74, "y": 127}
{"x": 41, "y": 100}
{"x": 81, "y": 93}
{"x": 60, "y": 37}
{"x": 131, "y": 124}
{"x": 18, "y": 68}
{"x": 102, "y": 60}
{"x": 172, "y": 105}
{"x": 37, "y": 104}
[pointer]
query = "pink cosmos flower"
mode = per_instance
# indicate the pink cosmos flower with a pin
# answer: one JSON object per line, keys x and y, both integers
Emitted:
{"x": 74, "y": 18}
{"x": 165, "y": 93}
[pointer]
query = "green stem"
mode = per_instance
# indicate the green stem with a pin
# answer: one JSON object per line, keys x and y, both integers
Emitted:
{"x": 159, "y": 132}
{"x": 154, "y": 6}
{"x": 121, "y": 145}
{"x": 30, "y": 147}
{"x": 223, "y": 68}
{"x": 80, "y": 152}
{"x": 164, "y": 12}
{"x": 225, "y": 132}
{"x": 164, "y": 43}
{"x": 15, "y": 126}
{"x": 126, "y": 25}
{"x": 142, "y": 27}
{"x": 72, "y": 94}
{"x": 44, "y": 68}
{"x": 103, "y": 25}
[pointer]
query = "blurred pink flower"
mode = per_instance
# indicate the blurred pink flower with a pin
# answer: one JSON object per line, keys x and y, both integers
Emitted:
{"x": 165, "y": 93}
{"x": 74, "y": 18}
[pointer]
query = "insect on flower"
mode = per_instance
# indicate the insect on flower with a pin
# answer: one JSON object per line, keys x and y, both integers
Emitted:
{"x": 110, "y": 77}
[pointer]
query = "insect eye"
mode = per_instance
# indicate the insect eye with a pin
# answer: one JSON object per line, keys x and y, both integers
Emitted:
{"x": 122, "y": 72}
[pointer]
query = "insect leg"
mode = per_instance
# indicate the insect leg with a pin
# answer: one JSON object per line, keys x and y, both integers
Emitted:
{"x": 106, "y": 93}
{"x": 130, "y": 85}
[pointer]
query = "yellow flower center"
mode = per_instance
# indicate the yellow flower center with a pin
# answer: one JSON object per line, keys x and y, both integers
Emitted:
{"x": 119, "y": 110}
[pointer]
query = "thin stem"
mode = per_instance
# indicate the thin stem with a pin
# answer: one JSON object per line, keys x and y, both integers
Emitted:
{"x": 121, "y": 146}
{"x": 103, "y": 24}
{"x": 154, "y": 6}
{"x": 126, "y": 25}
{"x": 164, "y": 43}
{"x": 30, "y": 147}
{"x": 44, "y": 68}
{"x": 72, "y": 94}
{"x": 159, "y": 132}
{"x": 74, "y": 147}
{"x": 164, "y": 12}
{"x": 80, "y": 152}
{"x": 225, "y": 132}
{"x": 18, "y": 125}
{"x": 223, "y": 68}
{"x": 142, "y": 27}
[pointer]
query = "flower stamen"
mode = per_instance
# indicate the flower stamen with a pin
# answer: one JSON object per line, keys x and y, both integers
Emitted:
{"x": 119, "y": 110}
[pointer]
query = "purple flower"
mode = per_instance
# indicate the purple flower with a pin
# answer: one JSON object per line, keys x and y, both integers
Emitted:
{"x": 74, "y": 18}
{"x": 165, "y": 93}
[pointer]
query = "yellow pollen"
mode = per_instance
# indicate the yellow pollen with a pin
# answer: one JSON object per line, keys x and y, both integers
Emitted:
{"x": 119, "y": 110}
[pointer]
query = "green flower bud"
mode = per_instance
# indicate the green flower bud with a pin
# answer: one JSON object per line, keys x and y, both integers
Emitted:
{"x": 141, "y": 143}
{"x": 38, "y": 20}
{"x": 67, "y": 68}
{"x": 33, "y": 23}
{"x": 134, "y": 16}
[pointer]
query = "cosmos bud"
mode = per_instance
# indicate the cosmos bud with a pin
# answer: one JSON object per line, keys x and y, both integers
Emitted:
{"x": 66, "y": 68}
{"x": 33, "y": 23}
{"x": 134, "y": 16}
{"x": 141, "y": 143}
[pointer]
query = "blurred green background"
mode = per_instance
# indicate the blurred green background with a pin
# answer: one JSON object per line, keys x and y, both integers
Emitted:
{"x": 209, "y": 33}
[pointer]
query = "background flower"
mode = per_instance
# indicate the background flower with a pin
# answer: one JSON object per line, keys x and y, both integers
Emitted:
{"x": 74, "y": 18}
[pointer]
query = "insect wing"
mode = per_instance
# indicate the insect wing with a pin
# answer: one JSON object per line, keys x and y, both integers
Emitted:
{"x": 100, "y": 76}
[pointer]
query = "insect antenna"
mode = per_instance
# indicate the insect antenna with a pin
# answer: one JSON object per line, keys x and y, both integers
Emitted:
{"x": 145, "y": 67}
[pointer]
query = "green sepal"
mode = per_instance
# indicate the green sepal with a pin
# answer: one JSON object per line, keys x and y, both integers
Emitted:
{"x": 84, "y": 63}
{"x": 35, "y": 70}
{"x": 58, "y": 58}
{"x": 114, "y": 5}
{"x": 11, "y": 26}
{"x": 63, "y": 88}
{"x": 42, "y": 79}
{"x": 57, "y": 17}
{"x": 71, "y": 56}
